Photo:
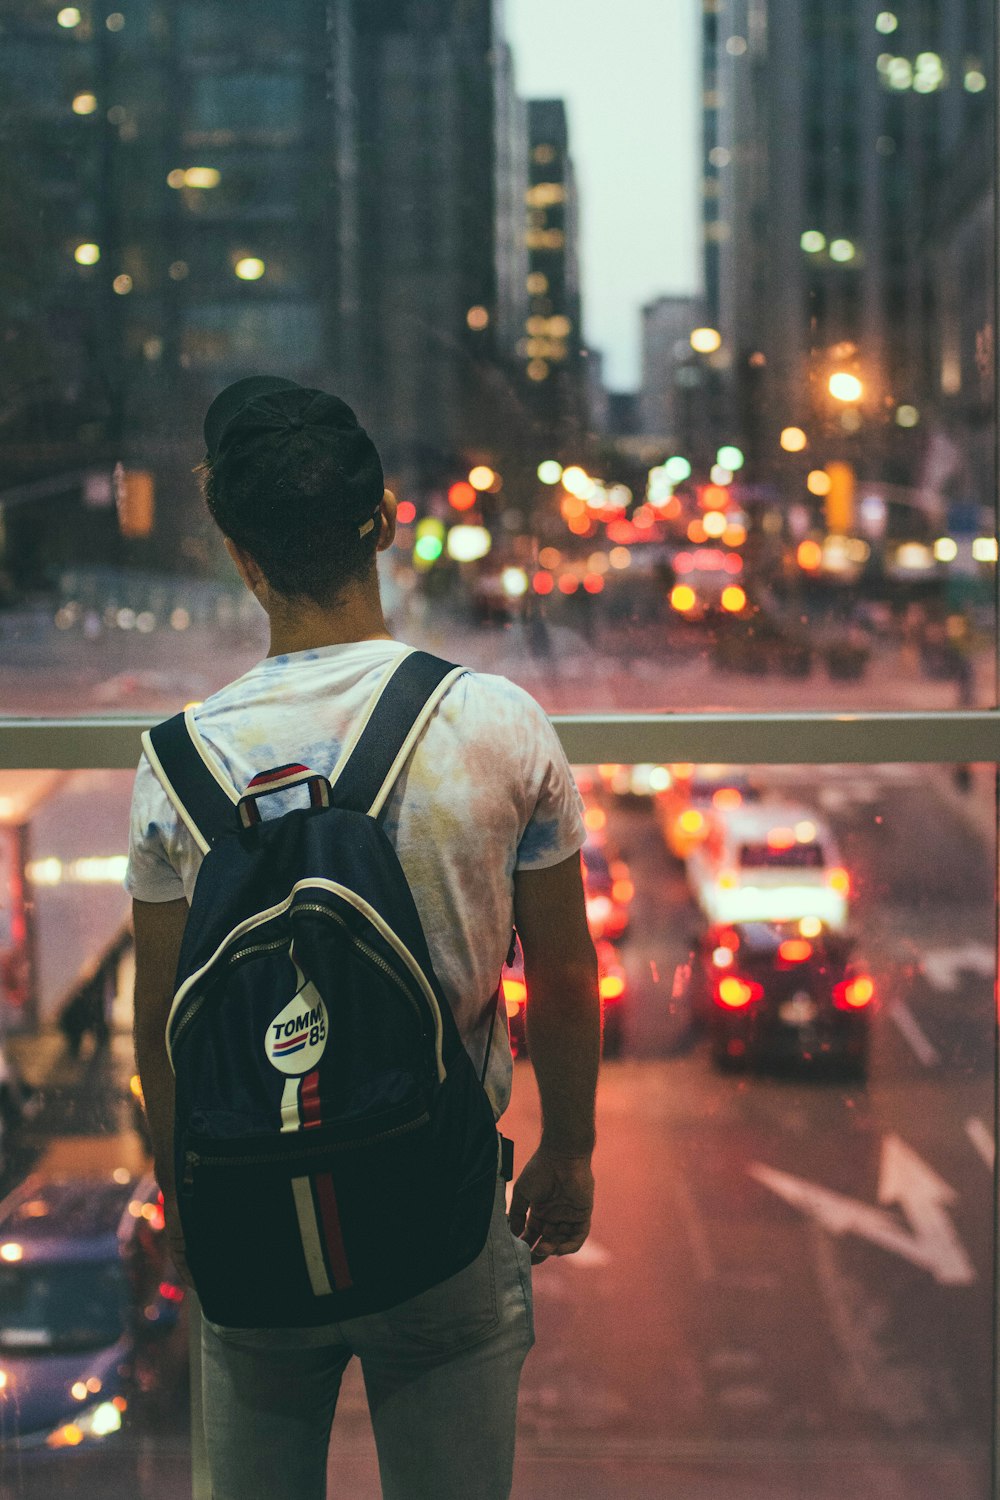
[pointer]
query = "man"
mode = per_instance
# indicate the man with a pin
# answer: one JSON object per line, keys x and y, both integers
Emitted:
{"x": 486, "y": 822}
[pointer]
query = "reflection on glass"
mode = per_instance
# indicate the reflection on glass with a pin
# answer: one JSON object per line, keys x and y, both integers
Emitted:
{"x": 709, "y": 371}
{"x": 93, "y": 1347}
{"x": 794, "y": 1225}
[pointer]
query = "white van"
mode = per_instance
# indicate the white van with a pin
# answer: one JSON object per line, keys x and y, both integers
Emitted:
{"x": 769, "y": 862}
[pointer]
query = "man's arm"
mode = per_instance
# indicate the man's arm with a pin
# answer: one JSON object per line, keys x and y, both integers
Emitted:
{"x": 554, "y": 1194}
{"x": 159, "y": 928}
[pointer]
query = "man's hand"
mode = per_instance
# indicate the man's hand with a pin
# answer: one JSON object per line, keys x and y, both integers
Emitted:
{"x": 552, "y": 1203}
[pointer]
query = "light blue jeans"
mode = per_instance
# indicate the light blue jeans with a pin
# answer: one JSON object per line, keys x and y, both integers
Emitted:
{"x": 441, "y": 1373}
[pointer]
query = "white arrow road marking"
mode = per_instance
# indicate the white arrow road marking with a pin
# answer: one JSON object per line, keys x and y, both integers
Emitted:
{"x": 924, "y": 1050}
{"x": 945, "y": 966}
{"x": 904, "y": 1178}
{"x": 982, "y": 1140}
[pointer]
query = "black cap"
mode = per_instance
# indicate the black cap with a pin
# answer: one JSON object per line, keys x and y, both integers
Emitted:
{"x": 261, "y": 417}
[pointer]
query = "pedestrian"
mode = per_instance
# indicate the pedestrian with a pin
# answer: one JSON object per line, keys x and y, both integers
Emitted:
{"x": 486, "y": 823}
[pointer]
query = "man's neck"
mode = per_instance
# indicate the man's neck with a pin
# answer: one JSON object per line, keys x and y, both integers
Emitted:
{"x": 309, "y": 628}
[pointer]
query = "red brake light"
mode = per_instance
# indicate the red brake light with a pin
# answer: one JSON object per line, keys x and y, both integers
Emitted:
{"x": 795, "y": 951}
{"x": 733, "y": 993}
{"x": 855, "y": 993}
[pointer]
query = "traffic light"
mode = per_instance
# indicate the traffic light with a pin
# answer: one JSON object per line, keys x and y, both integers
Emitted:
{"x": 134, "y": 498}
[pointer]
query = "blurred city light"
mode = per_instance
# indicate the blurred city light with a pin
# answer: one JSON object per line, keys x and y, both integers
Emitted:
{"x": 84, "y": 104}
{"x": 730, "y": 457}
{"x": 122, "y": 285}
{"x": 514, "y": 582}
{"x": 202, "y": 177}
{"x": 406, "y": 512}
{"x": 714, "y": 523}
{"x": 809, "y": 555}
{"x": 813, "y": 241}
{"x": 793, "y": 439}
{"x": 733, "y": 599}
{"x": 543, "y": 582}
{"x": 550, "y": 471}
{"x": 845, "y": 387}
{"x": 714, "y": 497}
{"x": 899, "y": 73}
{"x": 907, "y": 416}
{"x": 677, "y": 469}
{"x": 818, "y": 482}
{"x": 427, "y": 549}
{"x": 706, "y": 340}
{"x": 69, "y": 17}
{"x": 842, "y": 250}
{"x": 984, "y": 549}
{"x": 468, "y": 543}
{"x": 116, "y": 21}
{"x": 477, "y": 318}
{"x": 577, "y": 481}
{"x": 975, "y": 81}
{"x": 683, "y": 598}
{"x": 620, "y": 558}
{"x": 461, "y": 495}
{"x": 482, "y": 477}
{"x": 886, "y": 22}
{"x": 945, "y": 549}
{"x": 719, "y": 474}
{"x": 249, "y": 268}
{"x": 569, "y": 583}
{"x": 87, "y": 254}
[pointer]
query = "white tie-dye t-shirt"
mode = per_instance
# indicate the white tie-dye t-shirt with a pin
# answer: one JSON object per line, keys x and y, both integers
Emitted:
{"x": 486, "y": 791}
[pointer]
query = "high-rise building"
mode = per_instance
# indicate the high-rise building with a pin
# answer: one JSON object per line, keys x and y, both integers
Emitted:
{"x": 827, "y": 131}
{"x": 430, "y": 177}
{"x": 667, "y": 324}
{"x": 553, "y": 338}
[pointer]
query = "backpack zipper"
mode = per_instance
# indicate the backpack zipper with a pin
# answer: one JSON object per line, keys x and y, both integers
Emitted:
{"x": 193, "y": 1159}
{"x": 370, "y": 953}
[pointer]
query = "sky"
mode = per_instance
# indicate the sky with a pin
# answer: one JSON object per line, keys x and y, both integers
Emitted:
{"x": 629, "y": 72}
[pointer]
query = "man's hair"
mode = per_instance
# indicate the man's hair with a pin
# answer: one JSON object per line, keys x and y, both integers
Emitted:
{"x": 297, "y": 483}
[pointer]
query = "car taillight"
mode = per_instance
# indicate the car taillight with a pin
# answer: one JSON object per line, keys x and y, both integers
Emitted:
{"x": 795, "y": 951}
{"x": 515, "y": 993}
{"x": 855, "y": 993}
{"x": 612, "y": 986}
{"x": 734, "y": 993}
{"x": 838, "y": 880}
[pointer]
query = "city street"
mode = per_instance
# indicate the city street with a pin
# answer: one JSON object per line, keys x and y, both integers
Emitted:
{"x": 612, "y": 667}
{"x": 788, "y": 1286}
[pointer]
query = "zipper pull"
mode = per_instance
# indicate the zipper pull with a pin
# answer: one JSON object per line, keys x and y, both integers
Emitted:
{"x": 191, "y": 1160}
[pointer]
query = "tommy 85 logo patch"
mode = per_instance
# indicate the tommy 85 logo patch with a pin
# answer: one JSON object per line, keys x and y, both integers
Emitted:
{"x": 296, "y": 1038}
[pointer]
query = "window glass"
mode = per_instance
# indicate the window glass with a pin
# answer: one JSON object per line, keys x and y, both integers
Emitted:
{"x": 794, "y": 1225}
{"x": 708, "y": 370}
{"x": 94, "y": 1389}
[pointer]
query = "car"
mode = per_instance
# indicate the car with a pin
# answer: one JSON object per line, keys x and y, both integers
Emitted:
{"x": 768, "y": 862}
{"x": 87, "y": 1294}
{"x": 608, "y": 890}
{"x": 782, "y": 991}
{"x": 613, "y": 987}
{"x": 683, "y": 808}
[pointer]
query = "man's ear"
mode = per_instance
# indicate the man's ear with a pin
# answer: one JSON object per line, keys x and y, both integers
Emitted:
{"x": 387, "y": 534}
{"x": 245, "y": 565}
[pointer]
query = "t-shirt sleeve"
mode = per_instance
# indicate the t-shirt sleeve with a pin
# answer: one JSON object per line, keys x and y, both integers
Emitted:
{"x": 150, "y": 875}
{"x": 555, "y": 828}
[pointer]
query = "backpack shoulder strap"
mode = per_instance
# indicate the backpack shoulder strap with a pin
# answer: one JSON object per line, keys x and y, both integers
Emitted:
{"x": 394, "y": 722}
{"x": 197, "y": 787}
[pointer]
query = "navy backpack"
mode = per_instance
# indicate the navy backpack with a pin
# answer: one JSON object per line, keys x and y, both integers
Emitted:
{"x": 335, "y": 1150}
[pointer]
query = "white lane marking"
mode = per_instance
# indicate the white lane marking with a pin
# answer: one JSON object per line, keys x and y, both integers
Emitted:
{"x": 923, "y": 1049}
{"x": 590, "y": 1255}
{"x": 982, "y": 1141}
{"x": 905, "y": 1179}
{"x": 944, "y": 966}
{"x": 697, "y": 1234}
